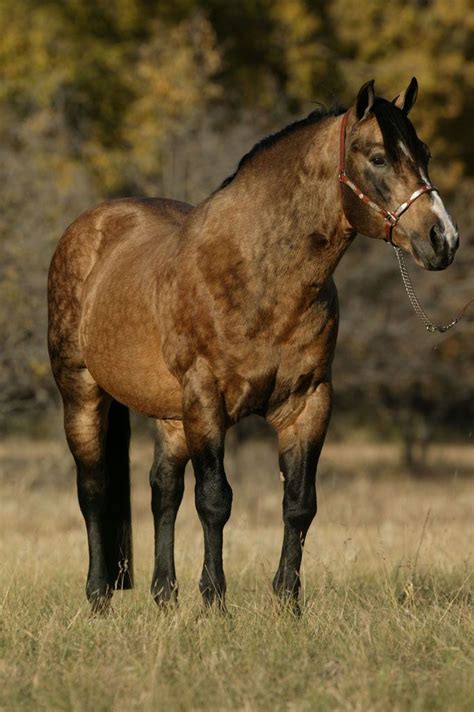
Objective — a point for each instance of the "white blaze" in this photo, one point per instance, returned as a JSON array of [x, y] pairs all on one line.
[[439, 210], [442, 214]]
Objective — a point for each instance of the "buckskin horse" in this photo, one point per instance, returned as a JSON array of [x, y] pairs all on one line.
[[200, 316]]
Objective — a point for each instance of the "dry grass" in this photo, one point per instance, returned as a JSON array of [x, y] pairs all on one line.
[[386, 624]]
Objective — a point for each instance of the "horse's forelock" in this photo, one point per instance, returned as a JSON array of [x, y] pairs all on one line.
[[397, 130]]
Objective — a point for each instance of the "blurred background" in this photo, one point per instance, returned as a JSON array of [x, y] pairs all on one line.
[[162, 98]]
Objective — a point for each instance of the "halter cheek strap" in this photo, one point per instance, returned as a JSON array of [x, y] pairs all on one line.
[[390, 218]]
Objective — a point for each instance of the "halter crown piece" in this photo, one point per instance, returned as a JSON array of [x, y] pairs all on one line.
[[391, 218]]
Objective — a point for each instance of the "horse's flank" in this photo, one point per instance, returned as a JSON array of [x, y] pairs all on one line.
[[243, 281]]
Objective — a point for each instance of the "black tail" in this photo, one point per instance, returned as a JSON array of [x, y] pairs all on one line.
[[118, 542]]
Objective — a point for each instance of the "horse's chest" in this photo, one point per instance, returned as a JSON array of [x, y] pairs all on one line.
[[267, 373], [260, 351]]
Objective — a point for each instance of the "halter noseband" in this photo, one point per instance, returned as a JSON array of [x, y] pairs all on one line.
[[390, 218]]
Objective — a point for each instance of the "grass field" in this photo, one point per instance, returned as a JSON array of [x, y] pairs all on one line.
[[386, 589]]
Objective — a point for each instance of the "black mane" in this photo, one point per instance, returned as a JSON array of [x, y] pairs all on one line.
[[394, 125], [272, 139]]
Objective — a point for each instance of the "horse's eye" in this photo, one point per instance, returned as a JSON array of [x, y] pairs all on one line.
[[378, 160]]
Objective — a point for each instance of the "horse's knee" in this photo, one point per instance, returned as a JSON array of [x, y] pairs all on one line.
[[214, 501]]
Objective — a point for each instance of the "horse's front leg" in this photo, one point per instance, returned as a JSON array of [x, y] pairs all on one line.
[[300, 445], [204, 425]]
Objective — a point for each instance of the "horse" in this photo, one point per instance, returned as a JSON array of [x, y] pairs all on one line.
[[199, 316]]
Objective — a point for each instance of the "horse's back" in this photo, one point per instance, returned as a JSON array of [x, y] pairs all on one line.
[[92, 280], [115, 222]]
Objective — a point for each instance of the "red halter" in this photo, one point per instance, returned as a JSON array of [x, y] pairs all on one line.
[[391, 218]]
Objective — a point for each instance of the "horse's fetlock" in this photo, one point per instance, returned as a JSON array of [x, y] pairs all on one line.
[[164, 590], [287, 584], [212, 588]]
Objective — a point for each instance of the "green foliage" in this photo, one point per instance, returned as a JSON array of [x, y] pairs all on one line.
[[119, 77], [142, 97], [114, 79], [432, 39]]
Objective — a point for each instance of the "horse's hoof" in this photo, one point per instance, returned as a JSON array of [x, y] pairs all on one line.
[[166, 603], [101, 606], [294, 608], [289, 604], [213, 601], [165, 596], [208, 612]]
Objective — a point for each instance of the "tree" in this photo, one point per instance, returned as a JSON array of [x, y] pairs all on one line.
[[432, 39], [99, 99]]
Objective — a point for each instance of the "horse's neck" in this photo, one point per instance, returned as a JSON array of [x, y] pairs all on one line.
[[283, 214]]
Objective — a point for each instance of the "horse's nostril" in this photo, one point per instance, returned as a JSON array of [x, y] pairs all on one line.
[[436, 236]]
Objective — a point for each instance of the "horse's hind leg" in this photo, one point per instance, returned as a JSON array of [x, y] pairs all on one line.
[[98, 431], [167, 487]]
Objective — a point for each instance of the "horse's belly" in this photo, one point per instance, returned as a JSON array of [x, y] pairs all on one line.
[[122, 350], [127, 375]]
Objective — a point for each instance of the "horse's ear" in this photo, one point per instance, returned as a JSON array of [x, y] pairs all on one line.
[[365, 99], [406, 100]]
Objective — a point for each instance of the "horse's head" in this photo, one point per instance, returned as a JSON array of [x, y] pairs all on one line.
[[384, 170]]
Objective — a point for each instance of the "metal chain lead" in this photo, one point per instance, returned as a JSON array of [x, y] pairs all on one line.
[[430, 326]]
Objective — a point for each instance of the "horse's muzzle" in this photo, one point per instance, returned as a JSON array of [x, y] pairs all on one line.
[[437, 253]]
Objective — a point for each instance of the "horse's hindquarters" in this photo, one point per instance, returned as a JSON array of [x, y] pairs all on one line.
[[121, 338], [102, 307]]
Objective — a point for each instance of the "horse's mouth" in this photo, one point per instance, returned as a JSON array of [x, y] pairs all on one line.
[[432, 262]]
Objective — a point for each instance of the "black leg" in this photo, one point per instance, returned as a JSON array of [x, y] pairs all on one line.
[[213, 496], [85, 423], [300, 447], [299, 509], [98, 432], [204, 425], [92, 493], [167, 486]]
